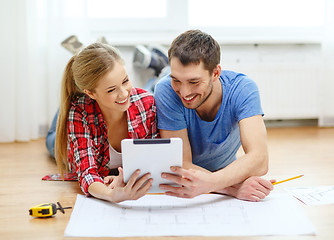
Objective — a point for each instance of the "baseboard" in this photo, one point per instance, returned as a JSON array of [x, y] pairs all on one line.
[[291, 123]]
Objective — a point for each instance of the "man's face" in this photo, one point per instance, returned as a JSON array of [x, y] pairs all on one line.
[[192, 83]]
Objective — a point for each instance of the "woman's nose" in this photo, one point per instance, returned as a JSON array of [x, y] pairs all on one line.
[[123, 92]]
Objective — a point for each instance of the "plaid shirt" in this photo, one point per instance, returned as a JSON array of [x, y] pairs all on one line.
[[88, 145]]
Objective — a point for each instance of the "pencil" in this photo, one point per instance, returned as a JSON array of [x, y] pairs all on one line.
[[287, 179]]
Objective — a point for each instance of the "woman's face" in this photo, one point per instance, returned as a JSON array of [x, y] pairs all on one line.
[[112, 92]]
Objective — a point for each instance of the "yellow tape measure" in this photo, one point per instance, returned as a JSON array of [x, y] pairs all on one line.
[[46, 209]]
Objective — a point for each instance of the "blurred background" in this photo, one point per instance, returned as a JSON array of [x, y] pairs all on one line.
[[286, 47]]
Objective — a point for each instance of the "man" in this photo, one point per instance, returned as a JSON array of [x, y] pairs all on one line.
[[214, 112]]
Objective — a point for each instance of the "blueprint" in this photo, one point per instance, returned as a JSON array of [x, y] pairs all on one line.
[[205, 215], [315, 195]]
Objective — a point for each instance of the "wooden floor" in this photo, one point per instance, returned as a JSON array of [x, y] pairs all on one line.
[[293, 151]]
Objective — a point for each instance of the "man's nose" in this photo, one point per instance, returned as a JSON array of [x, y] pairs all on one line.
[[185, 90]]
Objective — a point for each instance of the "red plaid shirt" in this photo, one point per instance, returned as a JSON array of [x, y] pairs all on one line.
[[88, 153]]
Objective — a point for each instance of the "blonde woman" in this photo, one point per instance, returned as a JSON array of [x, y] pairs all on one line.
[[99, 107]]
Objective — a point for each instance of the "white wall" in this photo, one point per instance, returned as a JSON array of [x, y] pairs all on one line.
[[295, 77], [288, 76]]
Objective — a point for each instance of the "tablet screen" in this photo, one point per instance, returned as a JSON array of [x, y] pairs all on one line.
[[151, 155]]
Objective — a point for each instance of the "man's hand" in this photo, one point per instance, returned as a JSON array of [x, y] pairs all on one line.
[[252, 189], [191, 182]]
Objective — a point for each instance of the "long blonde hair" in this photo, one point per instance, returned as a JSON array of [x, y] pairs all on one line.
[[83, 71]]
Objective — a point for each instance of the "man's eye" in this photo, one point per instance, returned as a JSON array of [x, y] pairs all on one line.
[[193, 82]]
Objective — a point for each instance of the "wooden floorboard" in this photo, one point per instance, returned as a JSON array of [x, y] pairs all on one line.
[[293, 151]]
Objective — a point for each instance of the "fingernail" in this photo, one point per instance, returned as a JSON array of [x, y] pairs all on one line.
[[172, 168], [163, 175]]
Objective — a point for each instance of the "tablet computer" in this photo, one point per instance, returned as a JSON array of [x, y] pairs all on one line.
[[151, 155]]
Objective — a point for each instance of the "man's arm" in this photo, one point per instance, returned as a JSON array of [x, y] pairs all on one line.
[[248, 167], [253, 163], [187, 157], [255, 160]]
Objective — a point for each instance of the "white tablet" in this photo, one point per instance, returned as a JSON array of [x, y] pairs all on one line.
[[151, 155]]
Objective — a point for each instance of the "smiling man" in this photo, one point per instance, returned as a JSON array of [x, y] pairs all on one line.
[[214, 112]]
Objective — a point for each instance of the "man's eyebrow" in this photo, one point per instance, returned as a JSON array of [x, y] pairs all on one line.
[[115, 85], [191, 79], [194, 79]]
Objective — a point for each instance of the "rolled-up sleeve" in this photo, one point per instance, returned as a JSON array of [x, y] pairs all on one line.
[[82, 150]]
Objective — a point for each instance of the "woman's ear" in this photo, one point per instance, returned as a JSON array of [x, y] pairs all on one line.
[[89, 93]]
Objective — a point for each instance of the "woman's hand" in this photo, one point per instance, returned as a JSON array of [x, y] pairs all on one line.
[[132, 190], [109, 179], [252, 189]]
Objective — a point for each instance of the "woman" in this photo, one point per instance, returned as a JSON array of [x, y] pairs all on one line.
[[99, 107]]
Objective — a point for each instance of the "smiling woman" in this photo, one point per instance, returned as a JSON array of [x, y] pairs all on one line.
[[99, 108], [112, 93]]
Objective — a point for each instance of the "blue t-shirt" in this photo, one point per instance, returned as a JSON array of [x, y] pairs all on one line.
[[213, 144]]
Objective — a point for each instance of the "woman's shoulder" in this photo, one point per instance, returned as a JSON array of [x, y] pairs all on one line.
[[141, 101], [140, 95], [81, 101], [84, 105]]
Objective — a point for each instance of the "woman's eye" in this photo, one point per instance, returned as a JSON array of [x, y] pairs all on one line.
[[125, 81], [111, 90]]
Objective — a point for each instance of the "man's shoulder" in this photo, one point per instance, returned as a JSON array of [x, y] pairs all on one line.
[[231, 76], [163, 89], [236, 79], [163, 83]]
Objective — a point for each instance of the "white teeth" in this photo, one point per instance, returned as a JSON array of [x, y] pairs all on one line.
[[188, 99], [122, 101]]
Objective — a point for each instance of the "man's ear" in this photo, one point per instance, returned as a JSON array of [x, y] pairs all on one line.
[[89, 93], [216, 71]]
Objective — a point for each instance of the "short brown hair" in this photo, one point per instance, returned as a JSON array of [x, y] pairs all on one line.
[[194, 46]]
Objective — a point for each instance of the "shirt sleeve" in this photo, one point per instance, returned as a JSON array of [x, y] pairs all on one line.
[[152, 121], [82, 149], [142, 115], [246, 99], [170, 109]]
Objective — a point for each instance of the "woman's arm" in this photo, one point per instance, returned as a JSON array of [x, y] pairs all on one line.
[[118, 191], [83, 153]]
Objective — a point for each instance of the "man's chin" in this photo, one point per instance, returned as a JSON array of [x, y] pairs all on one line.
[[189, 105]]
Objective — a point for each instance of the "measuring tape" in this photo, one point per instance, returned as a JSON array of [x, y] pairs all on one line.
[[46, 209]]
